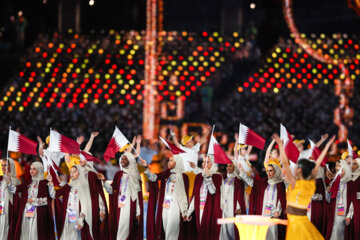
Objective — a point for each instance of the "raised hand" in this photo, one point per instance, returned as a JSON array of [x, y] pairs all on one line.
[[143, 162], [94, 134]]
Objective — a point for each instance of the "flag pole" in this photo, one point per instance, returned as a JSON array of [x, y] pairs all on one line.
[[212, 132], [7, 153]]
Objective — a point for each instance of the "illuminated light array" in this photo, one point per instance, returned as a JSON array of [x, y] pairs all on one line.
[[291, 67], [57, 76]]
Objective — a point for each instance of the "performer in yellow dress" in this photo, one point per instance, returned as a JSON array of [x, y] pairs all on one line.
[[301, 189]]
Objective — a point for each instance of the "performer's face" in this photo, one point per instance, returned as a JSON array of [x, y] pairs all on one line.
[[82, 162], [3, 166], [354, 166], [230, 168], [338, 167], [270, 172], [171, 163], [33, 171], [189, 144], [274, 154], [124, 161], [74, 173], [243, 151], [348, 160]]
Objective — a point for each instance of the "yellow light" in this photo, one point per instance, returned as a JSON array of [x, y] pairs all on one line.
[[109, 101], [21, 108], [96, 101], [122, 91]]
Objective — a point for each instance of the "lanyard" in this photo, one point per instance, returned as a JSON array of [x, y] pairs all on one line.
[[31, 190], [273, 194], [168, 184], [74, 197], [341, 193], [202, 191], [126, 184]]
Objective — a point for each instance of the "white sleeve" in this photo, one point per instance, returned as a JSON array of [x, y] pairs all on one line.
[[210, 184], [248, 180], [51, 190], [191, 207], [11, 187], [238, 206], [351, 211], [151, 176], [101, 204], [108, 187], [278, 207], [137, 207]]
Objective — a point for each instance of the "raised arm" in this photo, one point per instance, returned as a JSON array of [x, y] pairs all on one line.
[[285, 161], [236, 136], [90, 142], [323, 139], [268, 150], [248, 151], [138, 144], [173, 136], [41, 146], [322, 155]]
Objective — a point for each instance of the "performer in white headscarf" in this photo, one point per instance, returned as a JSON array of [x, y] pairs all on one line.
[[172, 200], [35, 220], [126, 204], [76, 207], [8, 183]]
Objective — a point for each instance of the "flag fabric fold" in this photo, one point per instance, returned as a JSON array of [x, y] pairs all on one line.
[[249, 137], [173, 148], [334, 188], [20, 143], [351, 152], [290, 148], [117, 142], [216, 150], [60, 143], [315, 153], [88, 157]]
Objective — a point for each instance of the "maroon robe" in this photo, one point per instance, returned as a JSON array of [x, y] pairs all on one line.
[[331, 210], [257, 198], [45, 226], [100, 230], [239, 196], [61, 211], [136, 229], [13, 214], [156, 199], [318, 207], [208, 229], [355, 222]]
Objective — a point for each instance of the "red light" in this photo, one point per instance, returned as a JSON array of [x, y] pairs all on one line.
[[33, 74], [192, 78], [75, 95], [187, 93], [28, 99], [121, 102], [191, 68], [86, 80], [192, 88], [75, 60], [70, 105], [261, 80], [44, 55], [350, 41], [23, 89], [81, 105], [207, 73], [48, 104], [298, 75], [74, 75], [53, 95], [127, 96], [205, 34], [74, 100], [251, 79], [42, 94], [58, 105], [310, 86], [141, 62], [68, 50], [28, 64], [130, 62], [304, 81], [266, 75], [264, 90], [183, 98], [257, 85], [182, 78], [268, 85], [172, 98], [25, 104], [111, 91], [271, 70], [107, 61], [67, 90], [161, 87], [272, 80], [114, 66], [93, 85], [21, 74], [78, 90], [182, 88], [198, 83], [58, 50], [187, 83], [246, 84], [121, 71]]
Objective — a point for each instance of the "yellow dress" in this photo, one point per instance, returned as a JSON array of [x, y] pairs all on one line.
[[299, 227]]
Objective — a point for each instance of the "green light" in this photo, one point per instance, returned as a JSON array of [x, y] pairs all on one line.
[[71, 65], [191, 58], [215, 34], [284, 55], [61, 45], [222, 59], [86, 60], [184, 63], [83, 66], [55, 55], [18, 99], [122, 91], [86, 75], [195, 63], [27, 84], [314, 71], [97, 75], [276, 65], [216, 54], [47, 70], [287, 65], [21, 108], [78, 70], [136, 47], [201, 58], [131, 82], [173, 63], [169, 68], [93, 46], [107, 76], [86, 95], [118, 76], [120, 82], [220, 39], [217, 64]]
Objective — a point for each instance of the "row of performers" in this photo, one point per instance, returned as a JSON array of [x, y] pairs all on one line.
[[80, 211]]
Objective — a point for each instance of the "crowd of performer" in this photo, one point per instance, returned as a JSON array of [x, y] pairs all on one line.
[[79, 209]]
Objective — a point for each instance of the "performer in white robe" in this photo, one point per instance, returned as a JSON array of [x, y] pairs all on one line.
[[8, 185], [175, 204]]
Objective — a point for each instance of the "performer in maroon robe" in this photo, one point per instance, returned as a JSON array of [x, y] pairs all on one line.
[[206, 202], [115, 190], [259, 199], [154, 225], [44, 220], [355, 192]]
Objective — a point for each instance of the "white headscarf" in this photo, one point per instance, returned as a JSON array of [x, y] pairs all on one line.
[[82, 185], [347, 176], [277, 178], [181, 196], [134, 175], [40, 175], [213, 169], [356, 173], [12, 173]]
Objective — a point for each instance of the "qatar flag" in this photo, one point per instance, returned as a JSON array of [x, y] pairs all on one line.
[[334, 187], [117, 142], [249, 137], [173, 148], [88, 157], [290, 148], [315, 153], [351, 152], [20, 143], [216, 150], [60, 143]]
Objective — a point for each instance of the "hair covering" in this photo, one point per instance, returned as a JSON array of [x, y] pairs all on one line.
[[213, 169], [181, 195], [347, 170], [82, 185], [134, 175], [12, 173], [277, 177], [40, 174], [356, 173]]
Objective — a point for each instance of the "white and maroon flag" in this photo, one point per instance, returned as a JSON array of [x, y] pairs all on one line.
[[249, 137], [60, 143], [351, 152], [290, 148], [173, 148], [88, 157], [118, 141], [315, 153], [20, 143], [216, 150]]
